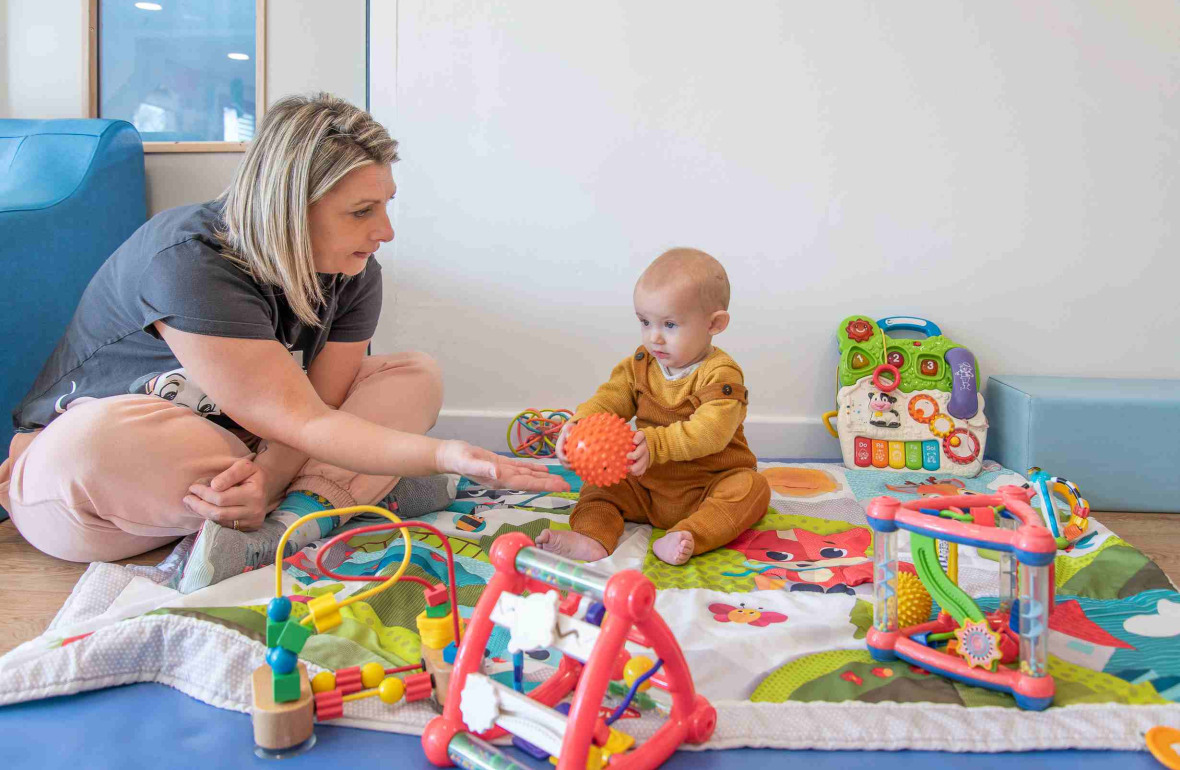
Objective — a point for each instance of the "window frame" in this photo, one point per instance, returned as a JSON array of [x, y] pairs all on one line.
[[91, 64]]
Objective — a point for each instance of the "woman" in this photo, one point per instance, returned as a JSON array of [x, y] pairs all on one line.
[[173, 403]]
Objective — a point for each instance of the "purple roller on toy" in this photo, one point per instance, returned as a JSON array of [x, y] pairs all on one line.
[[964, 401]]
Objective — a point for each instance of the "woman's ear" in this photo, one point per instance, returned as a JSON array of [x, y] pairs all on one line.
[[718, 321]]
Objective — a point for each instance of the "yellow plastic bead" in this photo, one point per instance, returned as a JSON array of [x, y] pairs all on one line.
[[325, 612], [955, 441], [372, 674], [437, 633], [635, 668], [324, 681], [391, 690]]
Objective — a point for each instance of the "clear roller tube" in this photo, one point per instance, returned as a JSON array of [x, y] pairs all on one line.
[[562, 573], [472, 753], [1034, 613], [885, 581], [1008, 571]]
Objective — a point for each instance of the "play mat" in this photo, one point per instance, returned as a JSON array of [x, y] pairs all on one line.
[[773, 627]]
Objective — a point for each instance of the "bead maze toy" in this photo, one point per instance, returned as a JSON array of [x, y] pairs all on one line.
[[286, 704], [907, 405], [536, 432], [975, 648], [619, 608], [597, 447]]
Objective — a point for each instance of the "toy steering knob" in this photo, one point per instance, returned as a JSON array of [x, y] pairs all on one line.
[[886, 369]]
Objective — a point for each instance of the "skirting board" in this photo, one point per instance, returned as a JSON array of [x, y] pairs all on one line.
[[774, 436]]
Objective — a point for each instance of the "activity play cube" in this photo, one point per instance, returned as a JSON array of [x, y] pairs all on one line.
[[1117, 439], [1026, 551]]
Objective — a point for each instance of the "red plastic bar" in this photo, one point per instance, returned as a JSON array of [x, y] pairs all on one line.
[[1003, 678]]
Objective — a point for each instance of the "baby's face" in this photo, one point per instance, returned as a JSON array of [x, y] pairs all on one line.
[[675, 328]]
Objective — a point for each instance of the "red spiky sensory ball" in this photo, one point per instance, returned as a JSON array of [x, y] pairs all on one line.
[[597, 449]]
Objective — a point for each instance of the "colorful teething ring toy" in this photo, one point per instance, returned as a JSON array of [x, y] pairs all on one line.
[[918, 416], [877, 378], [941, 432], [536, 432], [950, 448]]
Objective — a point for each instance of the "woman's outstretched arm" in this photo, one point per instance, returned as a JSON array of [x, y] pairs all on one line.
[[258, 384]]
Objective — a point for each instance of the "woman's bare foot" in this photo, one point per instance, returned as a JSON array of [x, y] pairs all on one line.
[[571, 545], [674, 547]]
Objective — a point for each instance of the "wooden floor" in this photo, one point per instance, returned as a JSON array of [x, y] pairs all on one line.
[[34, 586]]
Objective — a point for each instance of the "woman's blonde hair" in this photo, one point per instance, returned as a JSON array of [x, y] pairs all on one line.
[[303, 147]]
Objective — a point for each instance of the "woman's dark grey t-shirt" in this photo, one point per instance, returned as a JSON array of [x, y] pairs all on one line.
[[171, 270]]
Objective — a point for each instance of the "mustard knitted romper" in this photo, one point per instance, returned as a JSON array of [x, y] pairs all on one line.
[[702, 477]]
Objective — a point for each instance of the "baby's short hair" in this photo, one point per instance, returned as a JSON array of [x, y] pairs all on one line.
[[691, 267]]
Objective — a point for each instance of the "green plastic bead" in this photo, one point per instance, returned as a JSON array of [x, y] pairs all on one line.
[[294, 635], [273, 632], [285, 686]]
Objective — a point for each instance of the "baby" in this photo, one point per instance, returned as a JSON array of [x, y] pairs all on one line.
[[691, 471]]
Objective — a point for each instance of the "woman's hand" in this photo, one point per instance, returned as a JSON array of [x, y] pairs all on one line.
[[640, 457], [495, 472], [235, 498], [560, 448]]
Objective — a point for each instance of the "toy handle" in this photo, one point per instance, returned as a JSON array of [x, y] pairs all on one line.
[[826, 417], [909, 323]]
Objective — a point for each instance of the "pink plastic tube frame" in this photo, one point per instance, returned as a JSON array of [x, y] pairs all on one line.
[[629, 599]]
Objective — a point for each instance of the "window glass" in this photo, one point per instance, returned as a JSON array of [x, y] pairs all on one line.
[[179, 70]]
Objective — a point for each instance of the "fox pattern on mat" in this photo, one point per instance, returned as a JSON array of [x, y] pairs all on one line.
[[805, 560]]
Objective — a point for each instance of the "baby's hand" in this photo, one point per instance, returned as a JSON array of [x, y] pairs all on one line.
[[560, 449], [640, 458]]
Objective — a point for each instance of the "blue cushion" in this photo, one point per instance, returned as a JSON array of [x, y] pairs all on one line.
[[1119, 440], [71, 191]]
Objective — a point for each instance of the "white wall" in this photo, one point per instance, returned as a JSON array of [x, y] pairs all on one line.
[[4, 57], [311, 46], [43, 71], [1006, 169]]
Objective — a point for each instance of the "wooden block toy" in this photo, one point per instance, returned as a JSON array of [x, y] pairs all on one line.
[[279, 726], [438, 668]]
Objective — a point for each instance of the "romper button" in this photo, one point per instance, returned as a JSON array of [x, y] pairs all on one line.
[[639, 356], [727, 390]]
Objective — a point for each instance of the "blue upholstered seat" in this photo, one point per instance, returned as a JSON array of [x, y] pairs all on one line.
[[1116, 439], [71, 191]]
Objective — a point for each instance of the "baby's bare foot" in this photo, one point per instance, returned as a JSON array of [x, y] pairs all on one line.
[[674, 547], [570, 545]]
